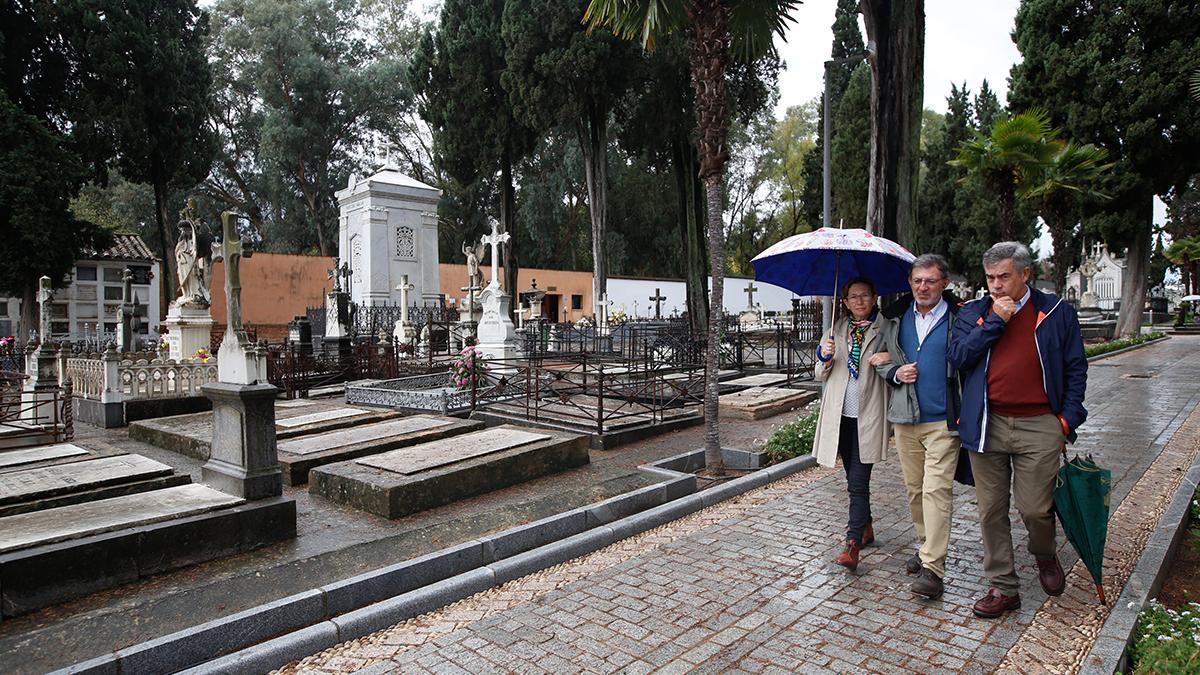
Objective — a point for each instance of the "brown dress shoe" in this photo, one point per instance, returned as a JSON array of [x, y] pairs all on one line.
[[868, 534], [928, 585], [1050, 573], [849, 557], [913, 564], [996, 603]]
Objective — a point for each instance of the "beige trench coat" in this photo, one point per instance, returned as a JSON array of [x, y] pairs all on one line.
[[873, 396]]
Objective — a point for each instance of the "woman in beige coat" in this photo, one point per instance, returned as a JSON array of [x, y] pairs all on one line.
[[853, 420]]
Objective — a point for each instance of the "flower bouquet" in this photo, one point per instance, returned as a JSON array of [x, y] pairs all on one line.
[[202, 355], [618, 317], [468, 368]]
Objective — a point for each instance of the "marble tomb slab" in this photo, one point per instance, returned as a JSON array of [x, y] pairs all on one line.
[[317, 417], [295, 403], [439, 453], [39, 454], [297, 456], [759, 402], [455, 469], [42, 482], [80, 520], [760, 380]]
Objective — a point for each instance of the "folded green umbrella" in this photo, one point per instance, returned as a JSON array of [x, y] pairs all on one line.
[[1081, 496]]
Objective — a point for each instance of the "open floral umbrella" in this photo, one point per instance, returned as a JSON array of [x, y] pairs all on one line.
[[816, 263]]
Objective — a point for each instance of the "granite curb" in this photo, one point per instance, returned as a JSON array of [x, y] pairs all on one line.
[[274, 634], [1109, 652]]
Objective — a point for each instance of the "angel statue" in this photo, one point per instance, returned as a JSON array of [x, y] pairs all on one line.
[[193, 262], [474, 276]]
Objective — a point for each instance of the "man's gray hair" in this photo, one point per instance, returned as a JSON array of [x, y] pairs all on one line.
[[1009, 250], [933, 260]]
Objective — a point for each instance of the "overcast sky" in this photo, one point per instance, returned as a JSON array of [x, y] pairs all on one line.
[[964, 42]]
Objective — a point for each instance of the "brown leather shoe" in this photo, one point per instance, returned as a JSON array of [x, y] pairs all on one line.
[[913, 564], [1050, 573], [868, 534], [996, 603], [928, 585], [849, 557]]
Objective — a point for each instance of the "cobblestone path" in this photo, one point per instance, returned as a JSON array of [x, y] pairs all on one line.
[[749, 585]]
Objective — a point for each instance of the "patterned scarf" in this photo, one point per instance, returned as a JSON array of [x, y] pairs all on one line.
[[858, 331]]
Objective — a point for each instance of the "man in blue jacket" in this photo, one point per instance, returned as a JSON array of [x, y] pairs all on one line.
[[924, 412], [1020, 352]]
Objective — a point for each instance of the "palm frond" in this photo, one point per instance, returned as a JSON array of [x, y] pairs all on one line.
[[753, 25], [640, 20], [1195, 84]]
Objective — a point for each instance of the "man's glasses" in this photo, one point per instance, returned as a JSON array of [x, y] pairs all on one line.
[[919, 281]]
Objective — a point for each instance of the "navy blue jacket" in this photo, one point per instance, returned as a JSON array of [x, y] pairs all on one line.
[[1060, 347]]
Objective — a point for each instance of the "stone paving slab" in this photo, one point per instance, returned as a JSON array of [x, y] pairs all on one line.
[[749, 585]]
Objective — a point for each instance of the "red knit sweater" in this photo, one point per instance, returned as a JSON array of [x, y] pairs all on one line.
[[1015, 387]]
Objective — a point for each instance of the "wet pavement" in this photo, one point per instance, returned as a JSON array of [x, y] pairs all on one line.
[[749, 585]]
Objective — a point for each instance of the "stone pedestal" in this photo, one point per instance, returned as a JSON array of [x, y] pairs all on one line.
[[240, 362], [39, 394], [497, 335], [188, 329], [244, 459], [338, 333]]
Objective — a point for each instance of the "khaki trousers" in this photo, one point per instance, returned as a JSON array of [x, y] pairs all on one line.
[[928, 457], [1022, 452]]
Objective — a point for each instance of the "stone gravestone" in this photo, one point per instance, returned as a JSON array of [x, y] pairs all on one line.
[[300, 334], [189, 316], [497, 335], [243, 459], [752, 314], [131, 315], [338, 331], [38, 394], [405, 333]]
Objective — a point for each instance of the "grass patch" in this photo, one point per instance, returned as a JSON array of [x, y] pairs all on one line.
[[1167, 640], [792, 439], [1114, 345]]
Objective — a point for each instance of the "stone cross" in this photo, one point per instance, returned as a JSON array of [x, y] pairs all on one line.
[[635, 309], [404, 288], [657, 299], [127, 312], [605, 303], [750, 288], [44, 295], [233, 249], [494, 240], [335, 275]]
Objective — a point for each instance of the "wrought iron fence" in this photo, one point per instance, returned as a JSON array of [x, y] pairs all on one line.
[[371, 320]]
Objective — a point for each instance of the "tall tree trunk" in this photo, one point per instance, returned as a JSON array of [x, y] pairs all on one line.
[[1137, 267], [708, 56], [1007, 202], [691, 224], [508, 223], [593, 139], [167, 286], [310, 203], [897, 30], [1060, 239]]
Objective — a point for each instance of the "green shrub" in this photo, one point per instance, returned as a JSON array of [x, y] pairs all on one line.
[[793, 439], [1114, 345], [1166, 640]]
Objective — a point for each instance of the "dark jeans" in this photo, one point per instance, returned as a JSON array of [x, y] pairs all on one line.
[[858, 479]]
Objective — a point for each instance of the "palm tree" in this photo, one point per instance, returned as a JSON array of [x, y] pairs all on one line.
[[1185, 254], [1070, 178], [1011, 157], [717, 31]]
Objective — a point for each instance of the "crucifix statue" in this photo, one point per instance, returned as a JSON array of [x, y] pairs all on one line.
[[750, 288], [657, 299], [404, 288], [335, 275], [494, 240], [44, 295], [234, 247]]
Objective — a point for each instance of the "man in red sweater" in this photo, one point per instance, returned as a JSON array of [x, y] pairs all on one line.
[[1020, 352]]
